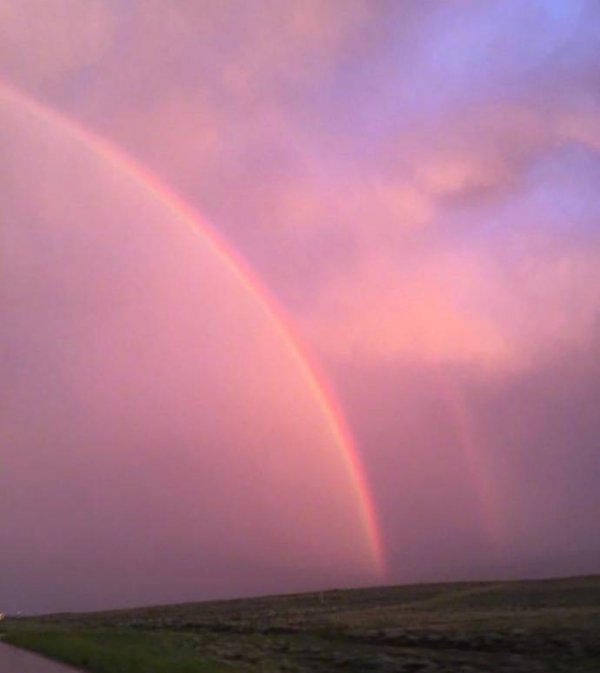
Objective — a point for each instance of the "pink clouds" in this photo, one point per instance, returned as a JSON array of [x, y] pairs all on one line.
[[44, 42], [417, 184], [457, 308], [441, 302], [387, 313]]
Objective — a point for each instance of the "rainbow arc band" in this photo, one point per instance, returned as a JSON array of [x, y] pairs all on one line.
[[306, 365]]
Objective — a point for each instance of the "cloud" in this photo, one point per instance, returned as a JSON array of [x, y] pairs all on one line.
[[43, 43], [496, 311], [416, 183], [476, 246], [386, 313]]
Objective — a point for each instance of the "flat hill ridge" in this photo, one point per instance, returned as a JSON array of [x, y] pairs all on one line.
[[526, 625]]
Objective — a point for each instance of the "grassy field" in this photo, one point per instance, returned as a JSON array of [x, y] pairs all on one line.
[[551, 625]]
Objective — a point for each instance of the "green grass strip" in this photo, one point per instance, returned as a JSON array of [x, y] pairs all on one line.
[[116, 652]]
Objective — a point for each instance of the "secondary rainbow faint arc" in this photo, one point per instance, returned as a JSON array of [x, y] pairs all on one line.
[[468, 436], [266, 303]]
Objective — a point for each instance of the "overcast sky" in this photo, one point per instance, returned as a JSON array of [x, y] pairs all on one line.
[[410, 193]]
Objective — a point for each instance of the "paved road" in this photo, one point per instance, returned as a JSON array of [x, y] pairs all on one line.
[[13, 660]]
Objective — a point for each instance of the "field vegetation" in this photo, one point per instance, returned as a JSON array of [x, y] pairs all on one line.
[[538, 626]]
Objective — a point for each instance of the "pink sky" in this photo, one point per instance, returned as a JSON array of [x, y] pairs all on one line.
[[414, 183]]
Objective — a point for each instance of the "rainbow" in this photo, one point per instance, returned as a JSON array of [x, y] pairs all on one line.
[[470, 443], [308, 368]]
